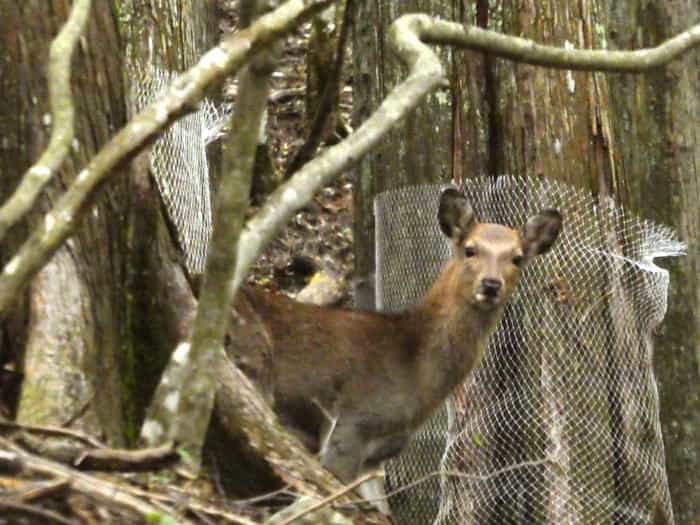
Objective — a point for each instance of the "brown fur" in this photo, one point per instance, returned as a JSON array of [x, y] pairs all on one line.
[[358, 384]]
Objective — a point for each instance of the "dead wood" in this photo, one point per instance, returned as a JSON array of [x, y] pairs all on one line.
[[107, 459]]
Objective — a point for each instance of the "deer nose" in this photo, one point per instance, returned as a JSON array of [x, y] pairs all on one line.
[[490, 287]]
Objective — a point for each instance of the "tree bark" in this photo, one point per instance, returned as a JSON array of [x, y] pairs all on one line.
[[418, 151], [630, 137], [656, 118], [73, 310]]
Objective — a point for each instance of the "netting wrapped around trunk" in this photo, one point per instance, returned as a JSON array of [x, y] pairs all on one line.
[[560, 422], [179, 165]]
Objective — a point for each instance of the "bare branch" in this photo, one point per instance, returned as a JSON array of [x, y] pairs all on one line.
[[187, 420], [62, 119], [92, 486], [518, 49], [329, 97], [182, 96], [407, 36], [426, 73]]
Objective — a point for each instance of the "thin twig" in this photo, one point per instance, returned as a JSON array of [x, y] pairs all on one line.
[[328, 98], [267, 495], [325, 501], [453, 474], [62, 119], [8, 508], [53, 431]]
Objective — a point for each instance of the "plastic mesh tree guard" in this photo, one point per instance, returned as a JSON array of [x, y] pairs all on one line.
[[179, 165], [559, 424]]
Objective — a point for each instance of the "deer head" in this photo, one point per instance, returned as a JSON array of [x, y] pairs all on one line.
[[488, 258]]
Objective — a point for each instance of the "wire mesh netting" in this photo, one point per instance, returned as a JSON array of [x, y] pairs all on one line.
[[179, 165], [559, 423]]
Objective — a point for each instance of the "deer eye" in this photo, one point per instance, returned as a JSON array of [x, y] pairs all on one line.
[[469, 251], [518, 260]]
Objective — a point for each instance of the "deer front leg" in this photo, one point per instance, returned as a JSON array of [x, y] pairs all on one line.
[[379, 450], [343, 451], [348, 454]]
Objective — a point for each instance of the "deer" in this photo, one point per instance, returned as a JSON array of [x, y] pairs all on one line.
[[354, 386]]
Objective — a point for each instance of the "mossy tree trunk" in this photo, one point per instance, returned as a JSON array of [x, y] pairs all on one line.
[[98, 323], [161, 304], [67, 329]]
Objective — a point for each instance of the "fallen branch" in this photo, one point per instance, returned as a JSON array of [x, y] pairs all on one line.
[[43, 490], [99, 489], [52, 431], [108, 459], [240, 408], [12, 508]]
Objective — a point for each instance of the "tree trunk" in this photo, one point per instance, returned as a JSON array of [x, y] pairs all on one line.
[[73, 312], [100, 320], [419, 151], [165, 259], [656, 118], [630, 137]]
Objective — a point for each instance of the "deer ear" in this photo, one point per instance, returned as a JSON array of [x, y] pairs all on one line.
[[540, 232], [455, 215]]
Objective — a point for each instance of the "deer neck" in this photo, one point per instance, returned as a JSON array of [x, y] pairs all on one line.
[[455, 334]]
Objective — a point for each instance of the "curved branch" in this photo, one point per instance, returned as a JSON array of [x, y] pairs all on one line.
[[426, 74], [182, 96], [62, 117], [408, 36], [527, 51]]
